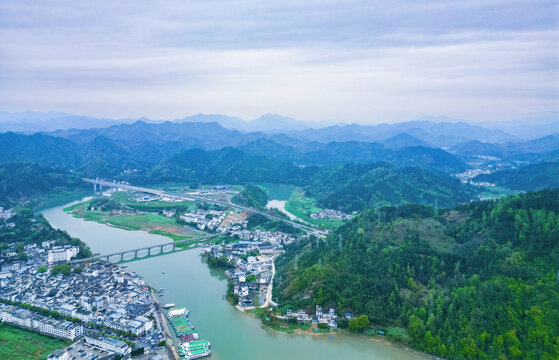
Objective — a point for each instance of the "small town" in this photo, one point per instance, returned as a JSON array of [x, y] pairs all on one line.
[[104, 309]]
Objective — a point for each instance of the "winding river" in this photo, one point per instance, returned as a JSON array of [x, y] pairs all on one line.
[[189, 282]]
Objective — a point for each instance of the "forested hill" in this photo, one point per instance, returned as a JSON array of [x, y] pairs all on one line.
[[357, 187], [21, 182], [479, 281], [226, 166], [528, 178]]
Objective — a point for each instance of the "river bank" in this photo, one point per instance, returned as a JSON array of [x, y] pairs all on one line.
[[189, 281], [137, 220]]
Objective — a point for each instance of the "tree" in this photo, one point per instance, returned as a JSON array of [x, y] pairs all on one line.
[[137, 352], [64, 269], [41, 269], [358, 323]]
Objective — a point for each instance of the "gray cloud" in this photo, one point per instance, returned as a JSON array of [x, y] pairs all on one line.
[[352, 60]]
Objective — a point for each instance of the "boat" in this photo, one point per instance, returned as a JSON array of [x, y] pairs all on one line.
[[195, 349], [161, 289], [170, 305]]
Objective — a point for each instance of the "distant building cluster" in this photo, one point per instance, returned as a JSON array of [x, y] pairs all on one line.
[[330, 214], [5, 214]]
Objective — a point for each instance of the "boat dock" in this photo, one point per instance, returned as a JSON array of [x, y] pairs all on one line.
[[190, 348]]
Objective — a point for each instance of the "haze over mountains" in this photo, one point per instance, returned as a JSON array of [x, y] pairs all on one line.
[[144, 150], [438, 129]]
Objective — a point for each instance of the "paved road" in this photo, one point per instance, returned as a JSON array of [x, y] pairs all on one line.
[[191, 197]]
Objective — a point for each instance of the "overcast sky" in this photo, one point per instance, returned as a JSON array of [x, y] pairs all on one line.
[[327, 60]]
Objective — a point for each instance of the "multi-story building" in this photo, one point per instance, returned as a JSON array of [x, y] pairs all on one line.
[[62, 253], [45, 325], [109, 344]]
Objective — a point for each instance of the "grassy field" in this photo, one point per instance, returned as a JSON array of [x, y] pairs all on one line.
[[152, 223], [302, 207], [19, 344]]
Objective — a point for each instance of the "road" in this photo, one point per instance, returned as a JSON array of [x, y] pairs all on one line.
[[191, 197], [269, 301]]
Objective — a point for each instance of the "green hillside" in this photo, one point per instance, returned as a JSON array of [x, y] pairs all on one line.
[[479, 281], [358, 187]]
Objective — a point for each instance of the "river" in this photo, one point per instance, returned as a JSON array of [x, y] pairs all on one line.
[[189, 282], [280, 205]]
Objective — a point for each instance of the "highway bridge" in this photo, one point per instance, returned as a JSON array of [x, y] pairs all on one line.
[[144, 251], [196, 198]]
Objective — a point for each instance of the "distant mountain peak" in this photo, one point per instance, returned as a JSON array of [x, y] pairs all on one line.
[[403, 140]]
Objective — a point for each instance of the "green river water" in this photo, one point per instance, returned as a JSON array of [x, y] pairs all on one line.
[[189, 282]]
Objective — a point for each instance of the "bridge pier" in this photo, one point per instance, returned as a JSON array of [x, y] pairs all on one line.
[[121, 256], [135, 254], [161, 249]]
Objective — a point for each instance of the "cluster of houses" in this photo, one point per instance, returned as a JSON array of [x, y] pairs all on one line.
[[330, 214], [319, 317], [97, 295], [218, 189], [5, 214], [204, 219], [257, 235], [253, 266], [235, 224]]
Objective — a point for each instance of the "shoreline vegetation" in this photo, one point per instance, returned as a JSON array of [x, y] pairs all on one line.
[[306, 329]]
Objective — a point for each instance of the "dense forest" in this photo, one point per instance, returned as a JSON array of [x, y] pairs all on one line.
[[357, 187], [226, 166], [478, 281], [252, 196], [21, 182]]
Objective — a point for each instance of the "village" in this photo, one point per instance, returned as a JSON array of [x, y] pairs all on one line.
[[330, 214]]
